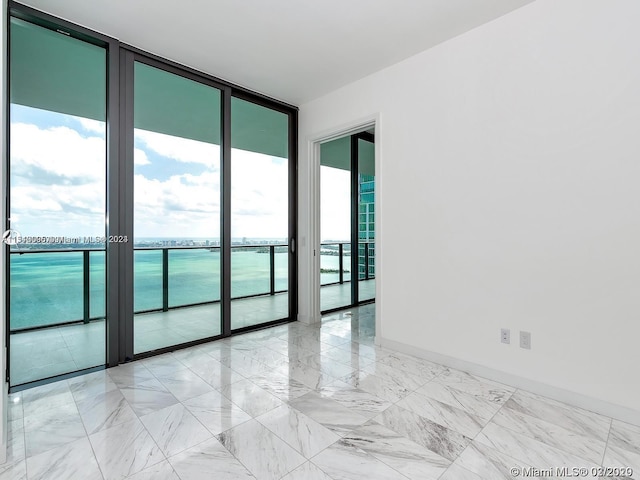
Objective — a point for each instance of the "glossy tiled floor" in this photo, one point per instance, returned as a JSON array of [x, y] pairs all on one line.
[[54, 351], [300, 403]]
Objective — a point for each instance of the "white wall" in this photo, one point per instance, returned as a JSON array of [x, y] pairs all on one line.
[[510, 158], [3, 384]]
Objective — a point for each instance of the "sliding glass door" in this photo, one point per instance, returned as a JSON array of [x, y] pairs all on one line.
[[347, 213], [366, 188], [56, 203], [260, 214], [176, 192], [149, 206]]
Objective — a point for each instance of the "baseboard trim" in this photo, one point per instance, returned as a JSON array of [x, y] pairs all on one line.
[[602, 407]]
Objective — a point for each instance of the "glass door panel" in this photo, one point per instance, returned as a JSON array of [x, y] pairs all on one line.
[[259, 214], [176, 209], [366, 220], [335, 224], [57, 203]]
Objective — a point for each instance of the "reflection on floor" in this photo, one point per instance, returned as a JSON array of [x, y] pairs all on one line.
[[45, 353], [298, 402], [339, 295]]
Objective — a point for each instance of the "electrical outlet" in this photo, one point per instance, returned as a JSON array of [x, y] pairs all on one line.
[[505, 335], [525, 340]]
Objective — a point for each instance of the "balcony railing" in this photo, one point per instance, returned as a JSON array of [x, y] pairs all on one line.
[[54, 287], [334, 272]]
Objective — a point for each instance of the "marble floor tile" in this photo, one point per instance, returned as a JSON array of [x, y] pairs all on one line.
[[250, 397], [148, 396], [586, 447], [130, 374], [162, 365], [575, 419], [456, 472], [441, 440], [281, 386], [310, 377], [216, 412], [13, 471], [46, 397], [264, 454], [307, 471], [296, 401], [74, 460], [488, 463], [365, 351], [15, 441], [104, 411], [216, 374], [618, 457], [302, 433], [451, 417], [326, 365], [268, 357], [15, 408], [471, 384], [244, 364], [353, 360], [207, 461], [328, 413], [159, 471], [184, 384], [91, 384], [344, 462], [391, 389], [526, 449], [354, 399], [52, 428], [409, 458], [124, 450], [175, 429], [414, 366], [476, 405], [625, 436]]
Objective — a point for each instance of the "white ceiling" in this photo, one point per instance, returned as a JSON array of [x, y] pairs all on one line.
[[293, 50]]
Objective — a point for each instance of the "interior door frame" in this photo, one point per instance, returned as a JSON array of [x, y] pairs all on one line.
[[309, 222]]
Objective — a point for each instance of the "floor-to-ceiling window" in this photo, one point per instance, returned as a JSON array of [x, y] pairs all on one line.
[[347, 212], [150, 206], [260, 177], [176, 192], [57, 203]]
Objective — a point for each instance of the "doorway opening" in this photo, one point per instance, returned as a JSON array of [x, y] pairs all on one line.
[[347, 221]]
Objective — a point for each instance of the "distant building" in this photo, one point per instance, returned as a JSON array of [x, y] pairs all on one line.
[[366, 224]]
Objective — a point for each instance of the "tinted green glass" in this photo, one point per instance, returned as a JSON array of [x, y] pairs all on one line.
[[259, 213], [57, 178], [176, 209]]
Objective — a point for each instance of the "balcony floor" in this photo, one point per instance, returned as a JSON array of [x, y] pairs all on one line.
[[54, 351]]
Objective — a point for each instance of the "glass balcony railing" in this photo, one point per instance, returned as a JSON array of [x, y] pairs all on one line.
[[335, 262], [57, 287]]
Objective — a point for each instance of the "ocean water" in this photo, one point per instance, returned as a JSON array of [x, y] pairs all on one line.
[[47, 288]]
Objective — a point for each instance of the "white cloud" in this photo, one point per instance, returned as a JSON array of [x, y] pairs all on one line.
[[57, 181], [58, 187], [180, 149], [140, 157], [335, 200], [94, 126], [259, 196]]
